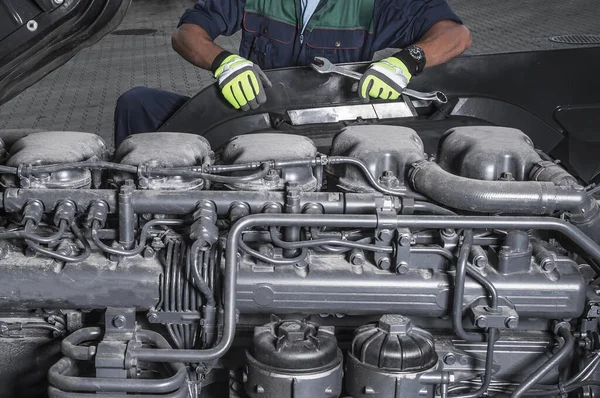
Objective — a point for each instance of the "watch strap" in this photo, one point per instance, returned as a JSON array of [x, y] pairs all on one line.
[[414, 66]]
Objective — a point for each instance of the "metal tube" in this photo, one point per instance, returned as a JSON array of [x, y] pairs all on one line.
[[126, 216], [61, 375], [71, 348], [489, 363], [459, 290], [57, 376], [342, 221], [229, 283], [56, 393], [567, 348]]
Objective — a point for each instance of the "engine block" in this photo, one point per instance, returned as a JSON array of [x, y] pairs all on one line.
[[268, 269]]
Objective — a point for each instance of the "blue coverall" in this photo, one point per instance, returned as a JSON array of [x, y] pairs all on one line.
[[270, 43]]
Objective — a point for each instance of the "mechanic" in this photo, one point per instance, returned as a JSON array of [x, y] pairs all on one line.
[[280, 33]]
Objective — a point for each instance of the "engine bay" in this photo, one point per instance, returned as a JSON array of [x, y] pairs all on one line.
[[269, 267]]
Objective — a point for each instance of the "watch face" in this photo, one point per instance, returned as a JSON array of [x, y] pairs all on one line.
[[416, 53]]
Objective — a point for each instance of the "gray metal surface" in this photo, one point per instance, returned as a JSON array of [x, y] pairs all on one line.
[[80, 96]]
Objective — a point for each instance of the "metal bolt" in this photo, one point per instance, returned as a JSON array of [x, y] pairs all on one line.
[[152, 317], [450, 359], [119, 322], [463, 360], [148, 252], [402, 268], [548, 265], [357, 257], [449, 232], [511, 322], [404, 240], [481, 322], [384, 263], [480, 262], [32, 25], [385, 234], [272, 175]]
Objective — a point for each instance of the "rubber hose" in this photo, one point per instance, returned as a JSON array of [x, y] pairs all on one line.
[[514, 197], [567, 348]]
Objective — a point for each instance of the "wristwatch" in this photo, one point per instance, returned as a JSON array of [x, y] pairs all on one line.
[[414, 59]]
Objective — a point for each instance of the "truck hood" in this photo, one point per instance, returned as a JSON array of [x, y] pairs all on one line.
[[38, 36]]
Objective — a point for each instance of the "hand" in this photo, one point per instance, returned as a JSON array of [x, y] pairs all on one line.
[[385, 79], [242, 82]]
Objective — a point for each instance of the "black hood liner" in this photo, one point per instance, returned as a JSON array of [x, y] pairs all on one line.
[[38, 36]]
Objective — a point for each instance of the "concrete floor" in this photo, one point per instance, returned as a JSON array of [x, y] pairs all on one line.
[[80, 96]]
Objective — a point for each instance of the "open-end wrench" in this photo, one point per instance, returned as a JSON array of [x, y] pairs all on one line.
[[323, 65]]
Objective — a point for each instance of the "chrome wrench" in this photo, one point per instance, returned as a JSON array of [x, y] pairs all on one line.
[[323, 65]]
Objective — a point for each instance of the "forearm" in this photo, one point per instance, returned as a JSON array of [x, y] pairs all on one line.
[[195, 45], [444, 41]]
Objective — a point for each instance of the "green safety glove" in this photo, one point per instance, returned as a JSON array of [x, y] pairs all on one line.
[[241, 81], [385, 79]]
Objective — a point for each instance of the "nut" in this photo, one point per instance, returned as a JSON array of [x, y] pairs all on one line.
[[511, 322]]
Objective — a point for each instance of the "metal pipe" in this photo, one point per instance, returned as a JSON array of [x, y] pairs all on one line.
[[459, 290], [143, 237], [489, 363], [71, 348], [432, 208], [56, 393], [371, 179], [229, 283], [61, 375], [57, 377], [184, 202], [126, 215], [87, 251], [342, 221], [564, 331]]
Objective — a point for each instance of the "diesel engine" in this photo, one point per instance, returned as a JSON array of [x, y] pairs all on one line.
[[273, 268]]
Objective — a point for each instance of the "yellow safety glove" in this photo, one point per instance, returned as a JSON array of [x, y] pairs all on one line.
[[385, 79], [242, 82]]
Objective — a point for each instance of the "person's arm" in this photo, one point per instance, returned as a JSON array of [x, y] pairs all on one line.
[[195, 45], [443, 41]]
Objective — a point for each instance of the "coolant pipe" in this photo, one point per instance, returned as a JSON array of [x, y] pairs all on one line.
[[563, 330], [343, 221], [512, 197]]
